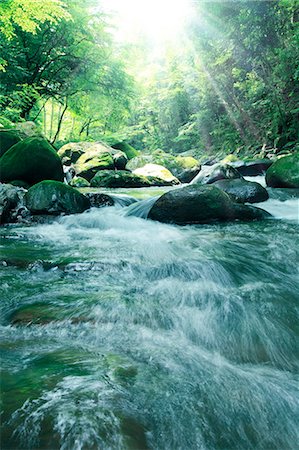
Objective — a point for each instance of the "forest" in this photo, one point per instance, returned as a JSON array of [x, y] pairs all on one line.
[[225, 82], [149, 213]]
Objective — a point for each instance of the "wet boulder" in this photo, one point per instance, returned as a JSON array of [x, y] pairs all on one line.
[[185, 168], [157, 171], [210, 174], [284, 173], [252, 168], [200, 204], [92, 161], [242, 191], [53, 197], [99, 200], [79, 182], [71, 152], [119, 179], [11, 203], [31, 160], [8, 138], [120, 160]]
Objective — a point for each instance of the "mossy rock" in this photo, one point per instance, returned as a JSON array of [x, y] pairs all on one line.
[[92, 161], [31, 160], [182, 167], [284, 173], [79, 182], [130, 151], [54, 197], [157, 171], [8, 138], [119, 179], [243, 191], [201, 204], [229, 158]]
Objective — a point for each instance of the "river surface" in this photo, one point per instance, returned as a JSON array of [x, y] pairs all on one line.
[[123, 333]]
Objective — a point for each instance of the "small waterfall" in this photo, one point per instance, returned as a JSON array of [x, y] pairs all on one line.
[[142, 208], [123, 200]]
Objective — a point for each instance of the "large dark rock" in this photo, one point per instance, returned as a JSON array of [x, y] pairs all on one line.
[[31, 160], [284, 173], [11, 203], [200, 204], [53, 197], [243, 191], [252, 168], [8, 138], [210, 174]]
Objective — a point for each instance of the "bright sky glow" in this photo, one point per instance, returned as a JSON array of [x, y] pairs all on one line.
[[157, 20]]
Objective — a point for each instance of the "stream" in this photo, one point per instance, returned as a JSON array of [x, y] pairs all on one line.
[[123, 333]]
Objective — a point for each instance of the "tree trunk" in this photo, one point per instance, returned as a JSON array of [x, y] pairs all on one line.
[[60, 121]]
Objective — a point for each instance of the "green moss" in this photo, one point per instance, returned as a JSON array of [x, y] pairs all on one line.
[[118, 179], [229, 158], [79, 182], [92, 161], [130, 151], [31, 160], [53, 197], [284, 172], [186, 162], [8, 138]]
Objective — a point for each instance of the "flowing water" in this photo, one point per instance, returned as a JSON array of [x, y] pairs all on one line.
[[122, 333]]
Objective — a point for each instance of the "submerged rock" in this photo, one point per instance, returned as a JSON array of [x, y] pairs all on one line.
[[200, 204], [53, 197], [8, 138], [252, 168], [243, 191], [31, 160], [157, 171], [210, 174], [284, 173]]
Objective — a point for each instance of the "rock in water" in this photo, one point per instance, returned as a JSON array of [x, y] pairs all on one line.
[[8, 138], [284, 173], [242, 191], [79, 182], [11, 202], [53, 197], [200, 204], [31, 160], [210, 174], [119, 179], [252, 168], [157, 171]]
